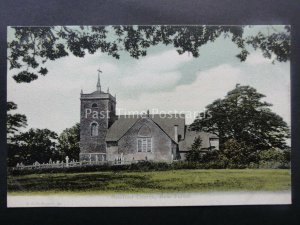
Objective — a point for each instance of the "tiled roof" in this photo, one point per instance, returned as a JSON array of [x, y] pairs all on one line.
[[165, 122], [186, 144]]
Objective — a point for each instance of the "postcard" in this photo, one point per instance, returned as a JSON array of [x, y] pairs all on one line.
[[156, 115]]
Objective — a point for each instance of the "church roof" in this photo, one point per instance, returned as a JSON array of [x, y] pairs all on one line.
[[165, 122], [186, 144]]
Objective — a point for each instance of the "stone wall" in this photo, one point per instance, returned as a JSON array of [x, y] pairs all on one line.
[[127, 145], [88, 115]]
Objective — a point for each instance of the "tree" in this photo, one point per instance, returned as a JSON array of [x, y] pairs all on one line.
[[13, 124], [245, 118], [35, 145], [14, 121], [68, 142], [238, 154], [275, 155], [195, 154], [34, 46]]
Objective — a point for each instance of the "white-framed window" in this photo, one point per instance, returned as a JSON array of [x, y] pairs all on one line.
[[94, 129], [144, 144]]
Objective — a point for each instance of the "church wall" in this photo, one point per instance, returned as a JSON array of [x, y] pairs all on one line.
[[111, 151], [161, 144]]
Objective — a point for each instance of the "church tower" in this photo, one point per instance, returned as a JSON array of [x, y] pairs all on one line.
[[97, 114]]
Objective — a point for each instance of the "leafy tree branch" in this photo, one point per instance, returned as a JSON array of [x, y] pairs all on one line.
[[32, 47]]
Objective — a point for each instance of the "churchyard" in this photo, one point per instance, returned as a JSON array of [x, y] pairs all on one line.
[[170, 181]]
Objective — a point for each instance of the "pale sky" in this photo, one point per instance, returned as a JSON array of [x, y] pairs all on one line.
[[163, 81]]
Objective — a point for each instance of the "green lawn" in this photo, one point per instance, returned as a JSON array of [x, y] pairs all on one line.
[[151, 182]]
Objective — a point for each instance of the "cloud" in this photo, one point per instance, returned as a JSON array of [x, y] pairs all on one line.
[[165, 61], [55, 97], [256, 58], [208, 86], [151, 81], [155, 72]]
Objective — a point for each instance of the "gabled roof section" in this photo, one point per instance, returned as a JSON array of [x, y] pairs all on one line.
[[120, 127], [186, 144], [165, 122], [168, 122]]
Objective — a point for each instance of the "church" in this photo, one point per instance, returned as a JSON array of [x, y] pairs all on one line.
[[107, 137]]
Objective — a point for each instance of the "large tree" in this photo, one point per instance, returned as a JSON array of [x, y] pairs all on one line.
[[68, 142], [34, 145], [14, 122], [31, 47], [244, 117]]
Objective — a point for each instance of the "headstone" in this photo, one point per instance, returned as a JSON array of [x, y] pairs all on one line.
[[67, 161]]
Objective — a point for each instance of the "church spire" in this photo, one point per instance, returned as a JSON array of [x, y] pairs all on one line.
[[98, 83]]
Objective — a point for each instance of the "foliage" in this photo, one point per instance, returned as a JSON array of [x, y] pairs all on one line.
[[14, 121], [150, 182], [238, 154], [13, 124], [195, 153], [32, 47], [243, 116], [274, 158], [68, 142], [34, 145]]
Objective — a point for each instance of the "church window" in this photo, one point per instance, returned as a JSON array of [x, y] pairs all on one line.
[[144, 140], [94, 105], [144, 131], [144, 145], [94, 129]]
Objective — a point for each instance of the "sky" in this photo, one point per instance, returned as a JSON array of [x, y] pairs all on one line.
[[163, 81]]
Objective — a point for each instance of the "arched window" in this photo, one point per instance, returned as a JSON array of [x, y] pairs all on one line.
[[94, 129], [144, 131], [144, 140], [94, 105]]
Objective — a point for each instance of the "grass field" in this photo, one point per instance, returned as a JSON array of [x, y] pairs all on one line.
[[151, 182]]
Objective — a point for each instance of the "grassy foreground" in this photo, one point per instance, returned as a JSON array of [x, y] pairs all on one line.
[[151, 182]]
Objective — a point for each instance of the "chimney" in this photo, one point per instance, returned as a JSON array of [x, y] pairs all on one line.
[[176, 133]]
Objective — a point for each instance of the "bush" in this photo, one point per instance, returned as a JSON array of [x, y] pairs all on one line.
[[220, 163], [273, 165], [139, 166]]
